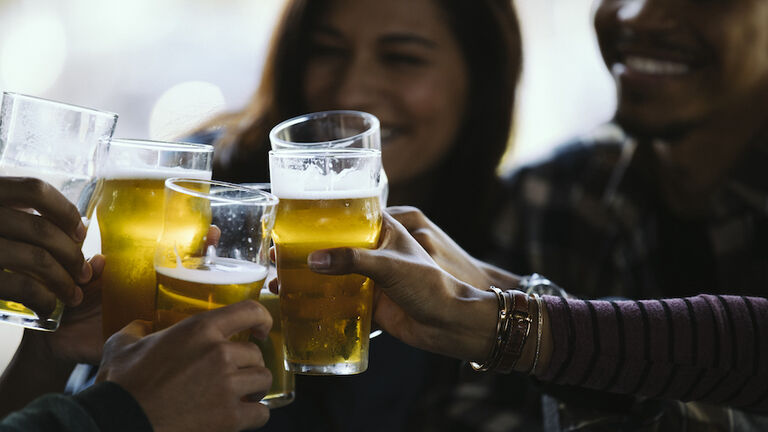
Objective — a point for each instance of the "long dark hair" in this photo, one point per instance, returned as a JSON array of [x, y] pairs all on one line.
[[463, 205]]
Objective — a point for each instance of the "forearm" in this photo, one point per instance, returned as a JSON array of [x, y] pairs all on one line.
[[33, 372], [700, 348]]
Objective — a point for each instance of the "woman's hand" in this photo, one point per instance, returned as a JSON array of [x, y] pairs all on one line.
[[417, 301], [190, 376], [40, 257], [449, 255]]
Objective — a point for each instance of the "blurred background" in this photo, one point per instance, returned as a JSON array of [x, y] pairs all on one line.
[[167, 65]]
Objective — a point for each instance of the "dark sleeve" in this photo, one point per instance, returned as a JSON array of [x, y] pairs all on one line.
[[705, 348], [103, 407]]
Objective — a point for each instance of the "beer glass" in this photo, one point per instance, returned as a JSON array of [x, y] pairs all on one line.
[[283, 387], [213, 251], [130, 215], [331, 129], [57, 143], [328, 198]]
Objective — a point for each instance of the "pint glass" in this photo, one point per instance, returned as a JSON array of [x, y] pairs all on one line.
[[130, 216], [283, 387], [331, 129], [273, 349], [328, 198], [213, 251], [57, 143]]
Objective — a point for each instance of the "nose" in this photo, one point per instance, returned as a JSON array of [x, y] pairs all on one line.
[[647, 15], [359, 85]]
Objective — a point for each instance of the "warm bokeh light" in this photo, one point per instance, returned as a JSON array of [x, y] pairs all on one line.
[[33, 53], [183, 107]]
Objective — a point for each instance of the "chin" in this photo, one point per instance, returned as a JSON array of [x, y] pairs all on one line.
[[655, 121]]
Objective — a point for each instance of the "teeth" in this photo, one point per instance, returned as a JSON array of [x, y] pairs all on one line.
[[656, 67]]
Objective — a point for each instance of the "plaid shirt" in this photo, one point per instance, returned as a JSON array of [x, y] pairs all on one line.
[[590, 218]]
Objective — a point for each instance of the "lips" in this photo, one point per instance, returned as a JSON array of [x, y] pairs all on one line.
[[657, 58]]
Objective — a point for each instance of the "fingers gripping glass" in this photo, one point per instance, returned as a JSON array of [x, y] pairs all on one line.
[[213, 251], [59, 144], [328, 198]]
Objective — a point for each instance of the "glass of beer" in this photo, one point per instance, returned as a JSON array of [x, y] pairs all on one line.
[[283, 388], [273, 349], [130, 216], [57, 143], [328, 198], [331, 129], [213, 251]]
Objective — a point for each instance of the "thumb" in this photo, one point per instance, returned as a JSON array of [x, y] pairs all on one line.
[[97, 266], [129, 334], [346, 260]]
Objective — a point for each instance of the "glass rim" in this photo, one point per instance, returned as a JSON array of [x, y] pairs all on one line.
[[162, 145], [266, 198], [338, 153], [375, 126], [71, 107]]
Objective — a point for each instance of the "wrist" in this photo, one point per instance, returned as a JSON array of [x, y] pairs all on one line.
[[473, 323]]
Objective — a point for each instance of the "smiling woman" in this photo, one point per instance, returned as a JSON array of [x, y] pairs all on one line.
[[441, 76]]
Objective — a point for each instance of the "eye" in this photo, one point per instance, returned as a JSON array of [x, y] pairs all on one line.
[[327, 50], [401, 59]]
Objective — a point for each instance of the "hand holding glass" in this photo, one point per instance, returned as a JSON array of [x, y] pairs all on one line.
[[59, 144], [213, 251]]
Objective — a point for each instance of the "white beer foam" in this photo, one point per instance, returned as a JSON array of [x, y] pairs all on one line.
[[155, 173], [309, 184], [224, 271]]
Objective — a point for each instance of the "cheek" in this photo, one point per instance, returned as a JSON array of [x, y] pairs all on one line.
[[435, 108], [319, 83], [745, 58]]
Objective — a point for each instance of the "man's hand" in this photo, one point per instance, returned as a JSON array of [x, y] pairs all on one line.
[[40, 257], [190, 376]]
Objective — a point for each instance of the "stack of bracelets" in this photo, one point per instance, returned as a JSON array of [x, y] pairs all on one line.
[[513, 324]]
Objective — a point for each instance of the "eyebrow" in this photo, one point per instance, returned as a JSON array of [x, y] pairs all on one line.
[[387, 39], [407, 38]]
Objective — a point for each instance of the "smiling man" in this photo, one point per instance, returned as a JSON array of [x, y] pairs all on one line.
[[669, 199]]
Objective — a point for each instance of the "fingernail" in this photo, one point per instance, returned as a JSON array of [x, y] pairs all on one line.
[[85, 272], [80, 232], [319, 260]]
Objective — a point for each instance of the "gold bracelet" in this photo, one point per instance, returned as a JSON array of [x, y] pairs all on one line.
[[501, 324], [540, 322], [516, 332]]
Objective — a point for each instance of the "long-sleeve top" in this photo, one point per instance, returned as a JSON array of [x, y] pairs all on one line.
[[102, 407], [706, 348]]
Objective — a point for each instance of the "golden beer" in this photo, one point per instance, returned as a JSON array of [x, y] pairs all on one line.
[[273, 350], [198, 286], [326, 319], [130, 218]]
